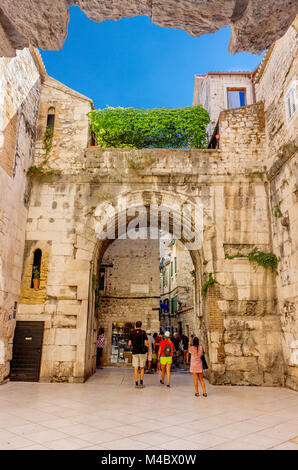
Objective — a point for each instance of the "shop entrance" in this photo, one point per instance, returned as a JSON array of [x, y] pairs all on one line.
[[120, 352]]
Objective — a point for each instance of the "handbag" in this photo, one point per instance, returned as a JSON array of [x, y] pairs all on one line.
[[204, 362]]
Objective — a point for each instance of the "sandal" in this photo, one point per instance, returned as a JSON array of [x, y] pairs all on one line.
[[197, 394], [204, 394], [162, 382]]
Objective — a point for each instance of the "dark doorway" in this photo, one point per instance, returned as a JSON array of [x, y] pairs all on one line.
[[26, 356]]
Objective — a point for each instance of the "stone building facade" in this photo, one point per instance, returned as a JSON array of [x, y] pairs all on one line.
[[276, 86], [218, 91], [74, 201], [20, 85], [177, 290], [247, 320]]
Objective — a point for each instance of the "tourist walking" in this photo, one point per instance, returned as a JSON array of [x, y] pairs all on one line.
[[150, 351], [158, 339], [185, 343], [165, 357], [100, 345], [155, 351], [196, 365], [139, 343], [176, 342]]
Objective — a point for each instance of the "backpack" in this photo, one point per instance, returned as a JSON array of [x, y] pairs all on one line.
[[167, 350]]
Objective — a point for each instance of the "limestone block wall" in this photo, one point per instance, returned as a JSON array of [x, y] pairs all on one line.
[[185, 277], [71, 127], [277, 74], [20, 82], [284, 206], [239, 324]]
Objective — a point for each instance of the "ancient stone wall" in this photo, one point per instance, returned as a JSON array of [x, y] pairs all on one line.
[[239, 323], [20, 81], [277, 74], [71, 126]]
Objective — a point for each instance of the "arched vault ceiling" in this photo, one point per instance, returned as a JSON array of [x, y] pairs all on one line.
[[255, 24]]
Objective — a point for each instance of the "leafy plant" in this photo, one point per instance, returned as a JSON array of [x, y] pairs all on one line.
[[150, 128], [134, 164], [39, 172], [277, 211], [258, 257], [267, 260], [94, 281], [35, 272], [48, 139], [255, 174], [237, 255], [210, 282]]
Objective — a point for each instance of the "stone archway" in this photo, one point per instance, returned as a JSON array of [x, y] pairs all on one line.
[[134, 201], [44, 23]]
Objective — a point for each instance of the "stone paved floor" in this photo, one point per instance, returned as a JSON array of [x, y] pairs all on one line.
[[107, 412]]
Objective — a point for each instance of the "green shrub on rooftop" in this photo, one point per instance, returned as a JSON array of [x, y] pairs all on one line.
[[150, 128]]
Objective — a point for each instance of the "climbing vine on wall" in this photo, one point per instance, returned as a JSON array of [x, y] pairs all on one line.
[[48, 139], [150, 128], [210, 282], [259, 258], [39, 172], [277, 211]]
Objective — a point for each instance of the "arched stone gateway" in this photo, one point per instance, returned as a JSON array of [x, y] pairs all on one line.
[[238, 320], [255, 24], [151, 211]]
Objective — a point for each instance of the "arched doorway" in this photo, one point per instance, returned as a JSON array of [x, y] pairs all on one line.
[[119, 222]]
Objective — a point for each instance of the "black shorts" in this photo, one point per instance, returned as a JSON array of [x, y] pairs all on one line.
[[99, 352]]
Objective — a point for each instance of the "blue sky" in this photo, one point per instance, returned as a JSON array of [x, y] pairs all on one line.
[[133, 62]]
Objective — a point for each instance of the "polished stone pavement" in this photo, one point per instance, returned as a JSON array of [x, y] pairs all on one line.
[[107, 412]]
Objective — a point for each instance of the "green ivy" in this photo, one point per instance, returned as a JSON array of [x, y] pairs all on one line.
[[277, 211], [39, 172], [35, 272], [48, 139], [255, 174], [237, 255], [258, 257], [94, 281], [210, 282], [150, 128], [267, 260]]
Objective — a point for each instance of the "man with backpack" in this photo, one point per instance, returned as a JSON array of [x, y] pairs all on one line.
[[139, 343], [165, 356]]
